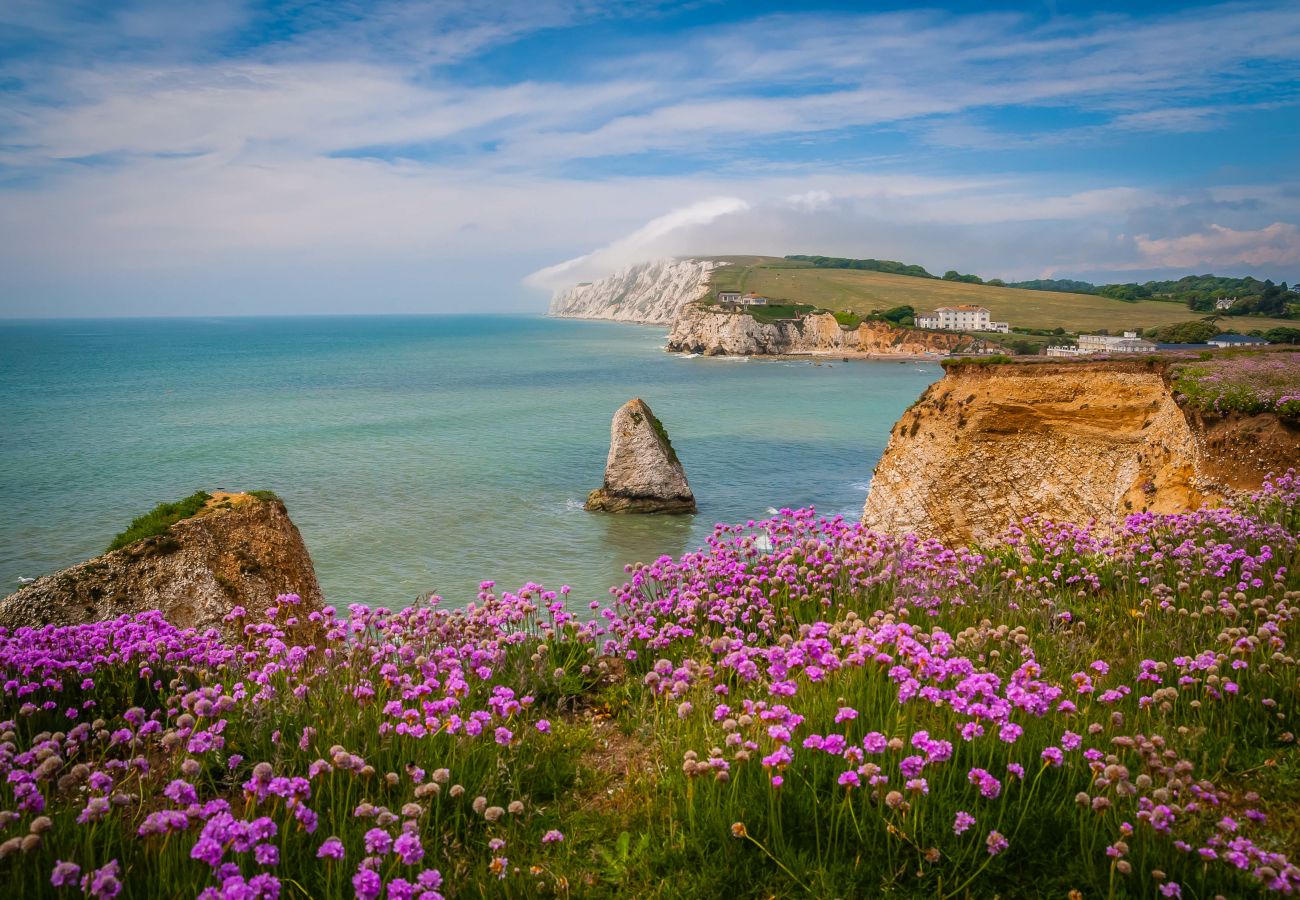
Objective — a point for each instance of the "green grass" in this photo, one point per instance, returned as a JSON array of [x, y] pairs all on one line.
[[862, 292], [159, 519]]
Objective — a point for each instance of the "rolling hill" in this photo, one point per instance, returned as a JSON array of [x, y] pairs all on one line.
[[861, 292]]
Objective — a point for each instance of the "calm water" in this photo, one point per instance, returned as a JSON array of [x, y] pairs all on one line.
[[415, 454]]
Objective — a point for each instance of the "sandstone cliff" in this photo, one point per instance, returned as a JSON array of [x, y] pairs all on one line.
[[988, 445], [238, 550], [648, 293], [713, 331], [642, 472]]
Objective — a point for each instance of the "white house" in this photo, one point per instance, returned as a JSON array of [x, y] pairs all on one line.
[[962, 318], [1224, 302], [728, 296], [1110, 343], [752, 299]]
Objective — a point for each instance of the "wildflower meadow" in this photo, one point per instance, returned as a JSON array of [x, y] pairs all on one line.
[[801, 708]]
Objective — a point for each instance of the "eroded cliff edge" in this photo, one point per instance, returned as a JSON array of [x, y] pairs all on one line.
[[711, 330], [239, 550], [988, 445], [648, 293]]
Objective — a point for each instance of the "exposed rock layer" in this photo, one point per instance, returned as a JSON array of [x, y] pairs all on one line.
[[714, 331], [642, 473], [987, 446], [649, 293], [238, 551]]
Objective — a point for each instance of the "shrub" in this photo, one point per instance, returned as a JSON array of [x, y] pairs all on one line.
[[159, 519]]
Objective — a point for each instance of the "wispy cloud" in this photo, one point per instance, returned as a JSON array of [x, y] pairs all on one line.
[[184, 139]]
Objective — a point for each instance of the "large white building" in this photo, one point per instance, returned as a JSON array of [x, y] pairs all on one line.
[[1110, 343], [962, 318]]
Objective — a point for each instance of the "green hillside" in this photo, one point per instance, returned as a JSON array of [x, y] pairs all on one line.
[[861, 292]]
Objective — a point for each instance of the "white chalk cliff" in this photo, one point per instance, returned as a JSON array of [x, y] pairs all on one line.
[[650, 293]]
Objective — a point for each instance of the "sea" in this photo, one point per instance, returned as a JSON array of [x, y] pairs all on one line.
[[417, 455]]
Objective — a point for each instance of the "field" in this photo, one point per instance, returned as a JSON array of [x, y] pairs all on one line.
[[861, 292], [803, 709]]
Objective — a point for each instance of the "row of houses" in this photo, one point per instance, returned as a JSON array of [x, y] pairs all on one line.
[[1129, 342]]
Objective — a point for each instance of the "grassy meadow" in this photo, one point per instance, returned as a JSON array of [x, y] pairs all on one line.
[[861, 292]]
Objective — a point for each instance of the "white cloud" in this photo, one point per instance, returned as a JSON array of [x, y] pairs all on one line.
[[351, 140], [1277, 244]]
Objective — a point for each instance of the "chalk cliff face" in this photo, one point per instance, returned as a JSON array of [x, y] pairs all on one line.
[[648, 293], [642, 472], [239, 550], [714, 331], [988, 445]]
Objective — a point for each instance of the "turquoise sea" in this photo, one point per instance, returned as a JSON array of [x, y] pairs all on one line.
[[416, 454]]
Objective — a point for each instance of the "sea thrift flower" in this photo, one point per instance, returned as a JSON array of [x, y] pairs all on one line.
[[996, 843], [367, 884], [378, 842], [408, 848], [962, 821], [331, 848], [103, 883], [552, 837], [65, 874]]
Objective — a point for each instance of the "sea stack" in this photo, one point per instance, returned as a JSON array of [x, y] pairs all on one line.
[[643, 473]]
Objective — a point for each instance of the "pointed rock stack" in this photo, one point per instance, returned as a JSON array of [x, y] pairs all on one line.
[[643, 473]]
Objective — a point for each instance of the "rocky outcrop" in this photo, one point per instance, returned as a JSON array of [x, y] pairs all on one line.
[[239, 550], [712, 330], [988, 445], [649, 293], [642, 473]]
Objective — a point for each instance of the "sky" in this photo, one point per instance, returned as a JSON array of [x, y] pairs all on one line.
[[232, 157]]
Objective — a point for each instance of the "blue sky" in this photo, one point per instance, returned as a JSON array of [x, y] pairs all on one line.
[[166, 157]]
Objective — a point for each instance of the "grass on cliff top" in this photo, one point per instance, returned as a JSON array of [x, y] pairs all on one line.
[[163, 516], [1244, 382], [861, 292]]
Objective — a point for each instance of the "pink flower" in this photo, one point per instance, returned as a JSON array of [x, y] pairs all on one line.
[[962, 821], [996, 843]]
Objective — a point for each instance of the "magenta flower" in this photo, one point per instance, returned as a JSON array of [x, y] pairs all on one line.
[[996, 843], [331, 848], [367, 884], [378, 842], [65, 874], [962, 821], [552, 837], [103, 883], [408, 848]]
